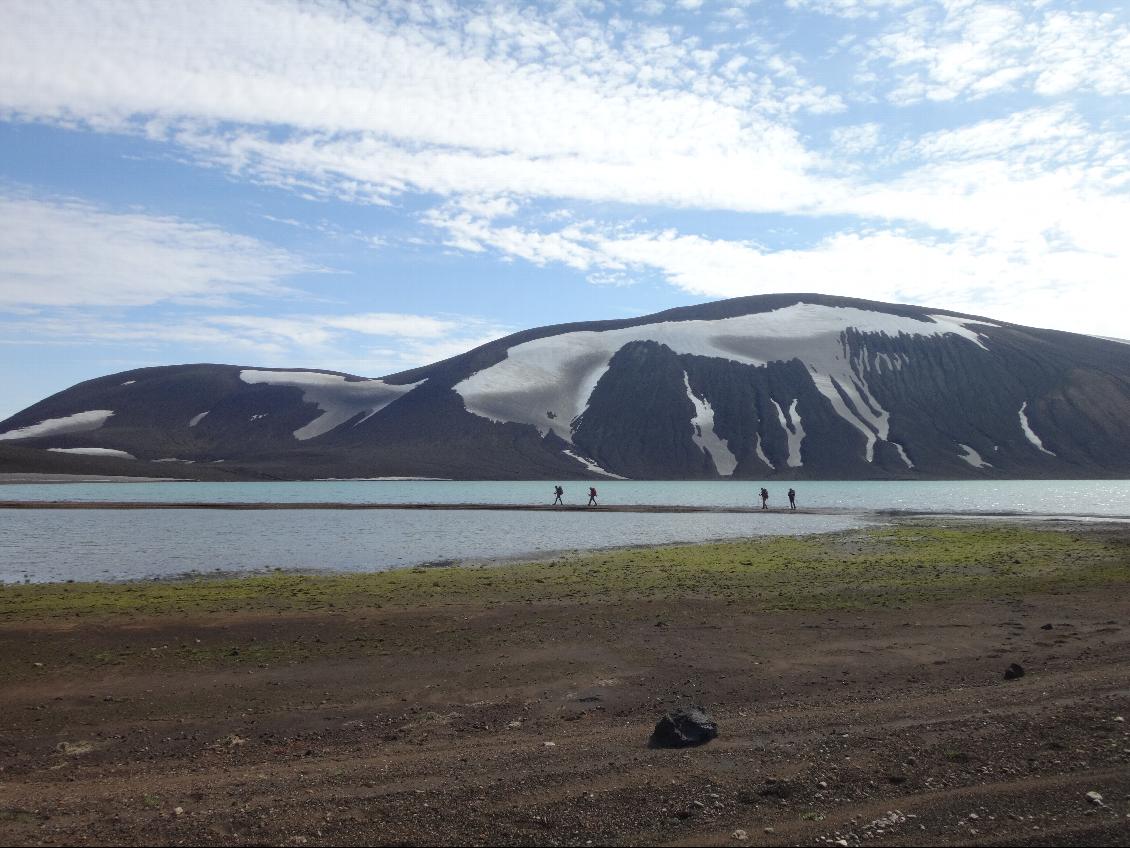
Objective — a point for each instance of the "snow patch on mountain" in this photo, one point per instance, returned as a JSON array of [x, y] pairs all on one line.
[[591, 466], [757, 449], [79, 422], [972, 457], [121, 454], [794, 430], [558, 373], [902, 455], [195, 419], [339, 399], [704, 435], [1029, 434]]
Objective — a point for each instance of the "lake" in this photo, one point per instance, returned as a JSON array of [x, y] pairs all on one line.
[[56, 545]]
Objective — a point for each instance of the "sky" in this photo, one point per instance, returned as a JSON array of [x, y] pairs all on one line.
[[371, 187]]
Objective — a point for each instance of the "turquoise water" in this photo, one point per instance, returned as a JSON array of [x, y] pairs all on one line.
[[1065, 497], [56, 545]]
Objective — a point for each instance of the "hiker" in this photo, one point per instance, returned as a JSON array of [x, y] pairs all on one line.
[[592, 496], [558, 492], [764, 498], [792, 498]]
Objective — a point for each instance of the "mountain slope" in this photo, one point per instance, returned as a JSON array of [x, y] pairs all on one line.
[[779, 386]]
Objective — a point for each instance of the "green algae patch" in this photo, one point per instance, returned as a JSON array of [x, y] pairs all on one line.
[[908, 563]]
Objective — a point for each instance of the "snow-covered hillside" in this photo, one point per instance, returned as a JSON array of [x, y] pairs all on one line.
[[547, 382], [774, 386]]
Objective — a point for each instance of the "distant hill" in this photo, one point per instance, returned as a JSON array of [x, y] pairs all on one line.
[[790, 386]]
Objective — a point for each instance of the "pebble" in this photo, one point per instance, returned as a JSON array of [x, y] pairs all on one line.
[[179, 811], [740, 835], [1095, 798]]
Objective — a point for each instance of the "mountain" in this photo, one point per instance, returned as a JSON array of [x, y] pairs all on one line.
[[796, 386]]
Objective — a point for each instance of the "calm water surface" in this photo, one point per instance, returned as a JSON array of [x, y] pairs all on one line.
[[50, 545]]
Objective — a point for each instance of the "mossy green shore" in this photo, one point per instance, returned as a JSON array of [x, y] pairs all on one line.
[[904, 564]]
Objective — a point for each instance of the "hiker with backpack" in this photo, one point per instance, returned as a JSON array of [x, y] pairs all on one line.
[[558, 492]]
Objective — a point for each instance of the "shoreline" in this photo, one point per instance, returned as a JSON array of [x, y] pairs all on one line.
[[675, 509], [856, 678]]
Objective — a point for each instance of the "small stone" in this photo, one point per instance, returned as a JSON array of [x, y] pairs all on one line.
[[1119, 719], [178, 811], [1014, 671], [739, 835], [549, 744], [770, 830], [1046, 627], [1095, 798]]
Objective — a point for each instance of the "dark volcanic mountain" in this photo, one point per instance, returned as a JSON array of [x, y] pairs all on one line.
[[777, 386]]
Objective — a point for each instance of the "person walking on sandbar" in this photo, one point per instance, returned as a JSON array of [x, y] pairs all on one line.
[[558, 492], [792, 498], [592, 496], [764, 498]]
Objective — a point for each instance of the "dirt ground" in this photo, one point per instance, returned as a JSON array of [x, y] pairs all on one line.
[[526, 722]]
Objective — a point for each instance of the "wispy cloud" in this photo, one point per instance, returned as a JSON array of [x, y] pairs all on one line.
[[368, 104], [486, 113], [373, 344], [1039, 282], [969, 50], [66, 252]]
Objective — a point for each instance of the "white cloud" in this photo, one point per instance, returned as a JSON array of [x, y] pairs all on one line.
[[493, 108], [856, 139], [849, 8], [972, 50], [368, 104], [66, 252], [373, 344], [1036, 282]]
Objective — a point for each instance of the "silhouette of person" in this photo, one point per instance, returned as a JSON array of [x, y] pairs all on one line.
[[792, 498], [558, 492], [764, 498], [592, 496]]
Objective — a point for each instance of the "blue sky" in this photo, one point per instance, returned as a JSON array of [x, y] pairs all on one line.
[[371, 187]]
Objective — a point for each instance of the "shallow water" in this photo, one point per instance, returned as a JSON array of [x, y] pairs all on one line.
[[53, 545], [1098, 497], [56, 545]]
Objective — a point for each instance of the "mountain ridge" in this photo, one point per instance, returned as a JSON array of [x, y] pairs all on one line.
[[783, 386]]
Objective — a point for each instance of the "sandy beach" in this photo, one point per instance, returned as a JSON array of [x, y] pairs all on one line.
[[857, 680]]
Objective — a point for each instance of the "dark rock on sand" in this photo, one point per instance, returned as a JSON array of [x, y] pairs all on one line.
[[682, 728], [1014, 671]]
